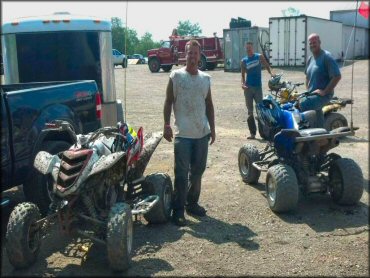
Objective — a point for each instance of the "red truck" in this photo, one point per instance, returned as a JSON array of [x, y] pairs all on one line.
[[172, 52]]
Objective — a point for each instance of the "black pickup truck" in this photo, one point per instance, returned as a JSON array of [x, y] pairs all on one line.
[[25, 109]]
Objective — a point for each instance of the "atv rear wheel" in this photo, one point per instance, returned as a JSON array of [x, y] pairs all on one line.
[[247, 155], [23, 236], [282, 188], [346, 181], [159, 184], [263, 132], [334, 120], [119, 237]]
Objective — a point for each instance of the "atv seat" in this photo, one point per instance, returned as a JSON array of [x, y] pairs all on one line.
[[312, 132]]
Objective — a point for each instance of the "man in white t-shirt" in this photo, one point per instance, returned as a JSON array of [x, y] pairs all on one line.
[[189, 94]]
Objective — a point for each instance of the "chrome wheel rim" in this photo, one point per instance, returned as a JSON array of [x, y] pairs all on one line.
[[271, 190], [243, 164]]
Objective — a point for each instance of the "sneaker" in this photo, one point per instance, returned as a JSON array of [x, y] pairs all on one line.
[[179, 220], [196, 210], [251, 137]]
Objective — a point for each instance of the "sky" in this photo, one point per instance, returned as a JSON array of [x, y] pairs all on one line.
[[159, 18]]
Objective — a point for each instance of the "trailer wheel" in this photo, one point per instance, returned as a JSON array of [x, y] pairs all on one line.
[[282, 188], [23, 240], [202, 63], [159, 184], [38, 187], [345, 181], [334, 120], [247, 155], [119, 237], [154, 65], [167, 68]]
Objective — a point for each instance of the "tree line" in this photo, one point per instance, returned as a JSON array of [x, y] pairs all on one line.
[[126, 39]]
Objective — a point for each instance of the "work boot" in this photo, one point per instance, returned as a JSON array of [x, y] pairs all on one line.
[[179, 219], [196, 210], [252, 136]]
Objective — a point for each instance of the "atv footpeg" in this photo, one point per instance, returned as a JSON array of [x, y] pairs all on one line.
[[145, 205]]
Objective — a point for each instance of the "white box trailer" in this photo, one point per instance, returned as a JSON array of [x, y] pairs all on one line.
[[361, 44], [62, 47], [234, 44], [288, 39]]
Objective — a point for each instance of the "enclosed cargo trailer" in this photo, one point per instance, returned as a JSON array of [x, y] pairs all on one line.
[[288, 39], [234, 44]]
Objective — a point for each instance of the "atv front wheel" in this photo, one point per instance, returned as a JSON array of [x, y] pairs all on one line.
[[282, 188], [247, 155], [159, 184], [23, 240], [334, 120], [346, 181], [119, 237]]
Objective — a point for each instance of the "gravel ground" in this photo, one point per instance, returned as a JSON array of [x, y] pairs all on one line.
[[240, 235]]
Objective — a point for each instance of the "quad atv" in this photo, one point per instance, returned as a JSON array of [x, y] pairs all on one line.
[[286, 92], [296, 159], [97, 188]]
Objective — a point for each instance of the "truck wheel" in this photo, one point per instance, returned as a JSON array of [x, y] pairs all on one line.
[[159, 184], [247, 155], [334, 120], [202, 63], [23, 240], [154, 65], [211, 66], [167, 68], [38, 187], [119, 236], [282, 188], [345, 181]]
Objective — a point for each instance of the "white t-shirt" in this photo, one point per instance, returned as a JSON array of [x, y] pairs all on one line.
[[190, 92]]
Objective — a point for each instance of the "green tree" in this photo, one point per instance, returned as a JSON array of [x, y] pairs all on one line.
[[133, 44], [146, 43], [118, 34], [186, 28]]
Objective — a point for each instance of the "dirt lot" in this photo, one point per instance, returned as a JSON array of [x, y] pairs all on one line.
[[240, 235]]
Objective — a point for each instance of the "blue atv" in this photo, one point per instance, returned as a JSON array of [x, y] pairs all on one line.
[[285, 92], [296, 158]]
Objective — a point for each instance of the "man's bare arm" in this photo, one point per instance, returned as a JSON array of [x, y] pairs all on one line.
[[211, 115], [167, 130]]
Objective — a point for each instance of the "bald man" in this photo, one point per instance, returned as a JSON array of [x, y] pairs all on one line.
[[322, 75]]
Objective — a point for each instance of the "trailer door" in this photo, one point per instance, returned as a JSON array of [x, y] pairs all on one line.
[[287, 40]]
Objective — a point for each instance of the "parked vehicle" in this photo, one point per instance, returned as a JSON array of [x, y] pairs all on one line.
[[62, 47], [25, 108], [138, 57], [288, 39], [98, 185], [286, 92], [297, 161], [172, 52], [119, 58]]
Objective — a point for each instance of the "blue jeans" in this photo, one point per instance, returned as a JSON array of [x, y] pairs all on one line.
[[250, 94], [315, 102], [190, 163]]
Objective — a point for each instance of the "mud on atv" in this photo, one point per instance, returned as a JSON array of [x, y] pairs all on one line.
[[98, 186]]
